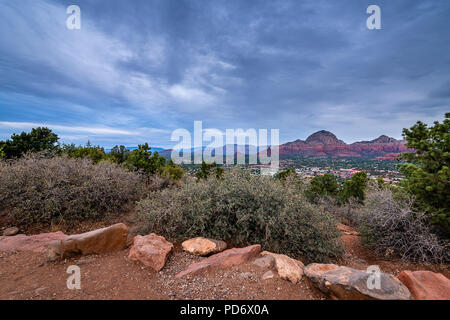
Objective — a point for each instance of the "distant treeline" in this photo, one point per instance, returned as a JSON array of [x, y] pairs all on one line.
[[44, 140]]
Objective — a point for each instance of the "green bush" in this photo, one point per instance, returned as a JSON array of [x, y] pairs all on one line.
[[36, 188], [243, 209]]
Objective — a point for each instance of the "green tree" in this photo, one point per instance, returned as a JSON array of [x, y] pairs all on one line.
[[325, 185], [39, 139], [355, 187], [380, 182], [143, 159], [206, 169], [427, 169], [119, 154], [94, 153], [171, 170], [282, 175]]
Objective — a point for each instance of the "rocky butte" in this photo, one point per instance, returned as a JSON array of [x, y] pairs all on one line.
[[325, 144]]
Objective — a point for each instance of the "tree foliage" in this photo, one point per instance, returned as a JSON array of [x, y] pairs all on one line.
[[39, 139], [144, 159], [355, 187], [321, 186], [119, 154], [207, 169], [94, 153], [282, 175], [427, 169]]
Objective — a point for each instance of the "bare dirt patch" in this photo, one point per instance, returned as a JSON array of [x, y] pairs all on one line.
[[26, 275]]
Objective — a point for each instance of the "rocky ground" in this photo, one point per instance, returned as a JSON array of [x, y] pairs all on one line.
[[29, 275]]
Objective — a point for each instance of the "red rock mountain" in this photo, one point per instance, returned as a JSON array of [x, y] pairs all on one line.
[[326, 144]]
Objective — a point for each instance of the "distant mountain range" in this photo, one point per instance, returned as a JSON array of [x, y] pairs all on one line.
[[323, 144]]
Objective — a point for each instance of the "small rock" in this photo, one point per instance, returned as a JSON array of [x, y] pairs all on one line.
[[83, 261], [426, 285], [151, 250], [10, 231], [203, 246], [268, 275], [266, 262], [246, 275], [287, 268]]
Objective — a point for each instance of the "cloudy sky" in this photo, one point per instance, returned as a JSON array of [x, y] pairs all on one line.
[[137, 70]]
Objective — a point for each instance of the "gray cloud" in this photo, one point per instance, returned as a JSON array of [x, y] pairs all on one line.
[[299, 66]]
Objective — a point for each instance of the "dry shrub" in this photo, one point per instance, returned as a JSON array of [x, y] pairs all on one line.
[[243, 209], [37, 188], [390, 225], [347, 213]]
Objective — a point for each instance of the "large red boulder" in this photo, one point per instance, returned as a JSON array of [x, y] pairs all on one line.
[[227, 258], [345, 283], [426, 285], [35, 243], [151, 250]]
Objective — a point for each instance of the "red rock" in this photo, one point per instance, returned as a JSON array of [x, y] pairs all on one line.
[[203, 246], [35, 243], [225, 259], [345, 283], [151, 250], [326, 144], [426, 285], [112, 238], [287, 268], [8, 232]]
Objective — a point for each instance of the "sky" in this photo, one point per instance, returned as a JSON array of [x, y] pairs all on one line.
[[137, 70]]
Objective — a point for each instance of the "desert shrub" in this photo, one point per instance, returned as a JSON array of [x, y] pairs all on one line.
[[36, 188], [391, 226], [243, 209], [346, 213], [207, 169]]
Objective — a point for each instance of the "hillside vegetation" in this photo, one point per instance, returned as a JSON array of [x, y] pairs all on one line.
[[42, 181]]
